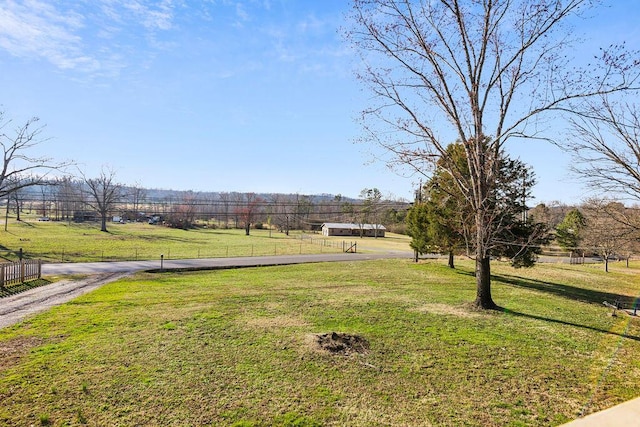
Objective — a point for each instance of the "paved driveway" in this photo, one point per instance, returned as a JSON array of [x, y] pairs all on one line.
[[16, 307]]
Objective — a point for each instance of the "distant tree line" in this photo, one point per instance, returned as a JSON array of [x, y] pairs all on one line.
[[101, 198]]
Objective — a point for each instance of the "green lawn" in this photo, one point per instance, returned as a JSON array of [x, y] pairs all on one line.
[[236, 347], [64, 242]]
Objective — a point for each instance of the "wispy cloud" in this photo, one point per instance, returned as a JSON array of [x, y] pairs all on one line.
[[36, 29], [74, 38]]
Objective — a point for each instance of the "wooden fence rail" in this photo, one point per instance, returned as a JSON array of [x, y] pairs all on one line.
[[20, 272]]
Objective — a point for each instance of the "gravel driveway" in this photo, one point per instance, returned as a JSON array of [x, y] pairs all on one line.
[[16, 307]]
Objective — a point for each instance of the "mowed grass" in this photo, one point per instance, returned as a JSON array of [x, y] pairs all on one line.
[[235, 347], [64, 242]]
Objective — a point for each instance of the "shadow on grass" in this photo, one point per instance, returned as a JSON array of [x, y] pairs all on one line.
[[576, 325], [22, 287], [566, 291]]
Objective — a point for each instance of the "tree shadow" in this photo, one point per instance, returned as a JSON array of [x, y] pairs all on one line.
[[567, 291], [564, 291], [576, 325]]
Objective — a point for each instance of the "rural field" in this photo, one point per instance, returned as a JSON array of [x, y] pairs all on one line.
[[72, 242], [253, 347]]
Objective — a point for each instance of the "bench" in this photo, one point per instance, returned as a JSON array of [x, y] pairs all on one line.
[[630, 309]]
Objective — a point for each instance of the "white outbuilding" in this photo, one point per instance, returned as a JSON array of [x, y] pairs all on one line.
[[347, 229]]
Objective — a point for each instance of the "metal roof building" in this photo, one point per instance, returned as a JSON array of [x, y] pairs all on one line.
[[348, 229]]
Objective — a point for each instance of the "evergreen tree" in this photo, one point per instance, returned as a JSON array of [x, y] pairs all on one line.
[[569, 233], [443, 221]]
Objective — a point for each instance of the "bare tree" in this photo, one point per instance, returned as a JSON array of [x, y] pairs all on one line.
[[606, 231], [249, 210], [183, 214], [136, 195], [280, 211], [19, 169], [225, 201], [103, 194], [483, 72], [69, 197], [606, 147], [372, 207]]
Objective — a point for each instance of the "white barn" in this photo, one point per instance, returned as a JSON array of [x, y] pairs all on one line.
[[347, 229]]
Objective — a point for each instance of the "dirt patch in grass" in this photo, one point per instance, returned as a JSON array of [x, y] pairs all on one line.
[[275, 322], [339, 343], [464, 311], [13, 350]]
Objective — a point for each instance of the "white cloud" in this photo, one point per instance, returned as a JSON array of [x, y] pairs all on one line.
[[36, 29], [81, 37]]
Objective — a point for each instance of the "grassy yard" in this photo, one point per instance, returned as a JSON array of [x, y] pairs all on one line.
[[63, 242], [238, 347]]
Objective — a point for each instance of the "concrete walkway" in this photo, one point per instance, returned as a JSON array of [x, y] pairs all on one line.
[[626, 414]]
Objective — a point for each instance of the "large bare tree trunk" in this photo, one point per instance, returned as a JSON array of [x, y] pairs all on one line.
[[490, 69], [483, 284]]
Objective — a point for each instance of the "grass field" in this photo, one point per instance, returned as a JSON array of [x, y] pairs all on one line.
[[64, 242], [237, 347]]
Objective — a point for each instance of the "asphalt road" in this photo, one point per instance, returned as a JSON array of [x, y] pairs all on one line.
[[92, 275], [207, 263]]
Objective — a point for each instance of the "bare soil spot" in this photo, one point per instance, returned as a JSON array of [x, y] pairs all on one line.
[[464, 311], [13, 350], [275, 322], [340, 343]]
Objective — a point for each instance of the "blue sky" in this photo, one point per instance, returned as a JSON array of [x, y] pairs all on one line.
[[218, 95]]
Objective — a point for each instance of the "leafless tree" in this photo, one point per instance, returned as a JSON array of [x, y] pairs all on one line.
[[183, 215], [249, 210], [19, 169], [280, 211], [483, 72], [607, 232], [69, 196], [225, 200], [103, 194], [371, 209], [136, 195], [606, 147]]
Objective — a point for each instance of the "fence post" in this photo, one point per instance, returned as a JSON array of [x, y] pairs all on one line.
[[2, 274], [22, 267], [39, 269], [161, 262]]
